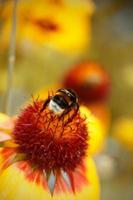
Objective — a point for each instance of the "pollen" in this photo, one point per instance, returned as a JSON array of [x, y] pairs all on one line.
[[47, 141]]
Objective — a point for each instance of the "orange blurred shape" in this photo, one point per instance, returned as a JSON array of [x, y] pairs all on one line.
[[89, 80]]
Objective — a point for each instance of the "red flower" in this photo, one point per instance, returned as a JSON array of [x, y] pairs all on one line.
[[48, 150], [89, 80]]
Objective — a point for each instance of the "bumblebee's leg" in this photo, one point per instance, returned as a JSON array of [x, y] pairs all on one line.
[[76, 108], [75, 111], [65, 113], [45, 104]]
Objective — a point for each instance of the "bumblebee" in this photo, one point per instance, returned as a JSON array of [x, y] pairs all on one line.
[[62, 103]]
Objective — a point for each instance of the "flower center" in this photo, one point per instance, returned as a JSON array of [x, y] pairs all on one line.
[[47, 142]]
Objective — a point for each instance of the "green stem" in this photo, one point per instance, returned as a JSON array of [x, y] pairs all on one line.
[[11, 60]]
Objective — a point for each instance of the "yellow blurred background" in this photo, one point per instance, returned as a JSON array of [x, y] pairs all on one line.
[[54, 36]]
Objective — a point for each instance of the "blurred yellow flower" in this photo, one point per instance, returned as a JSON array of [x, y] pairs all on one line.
[[123, 132], [97, 133], [18, 179], [102, 112], [64, 27]]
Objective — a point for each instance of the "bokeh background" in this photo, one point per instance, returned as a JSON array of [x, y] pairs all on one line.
[[100, 31]]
